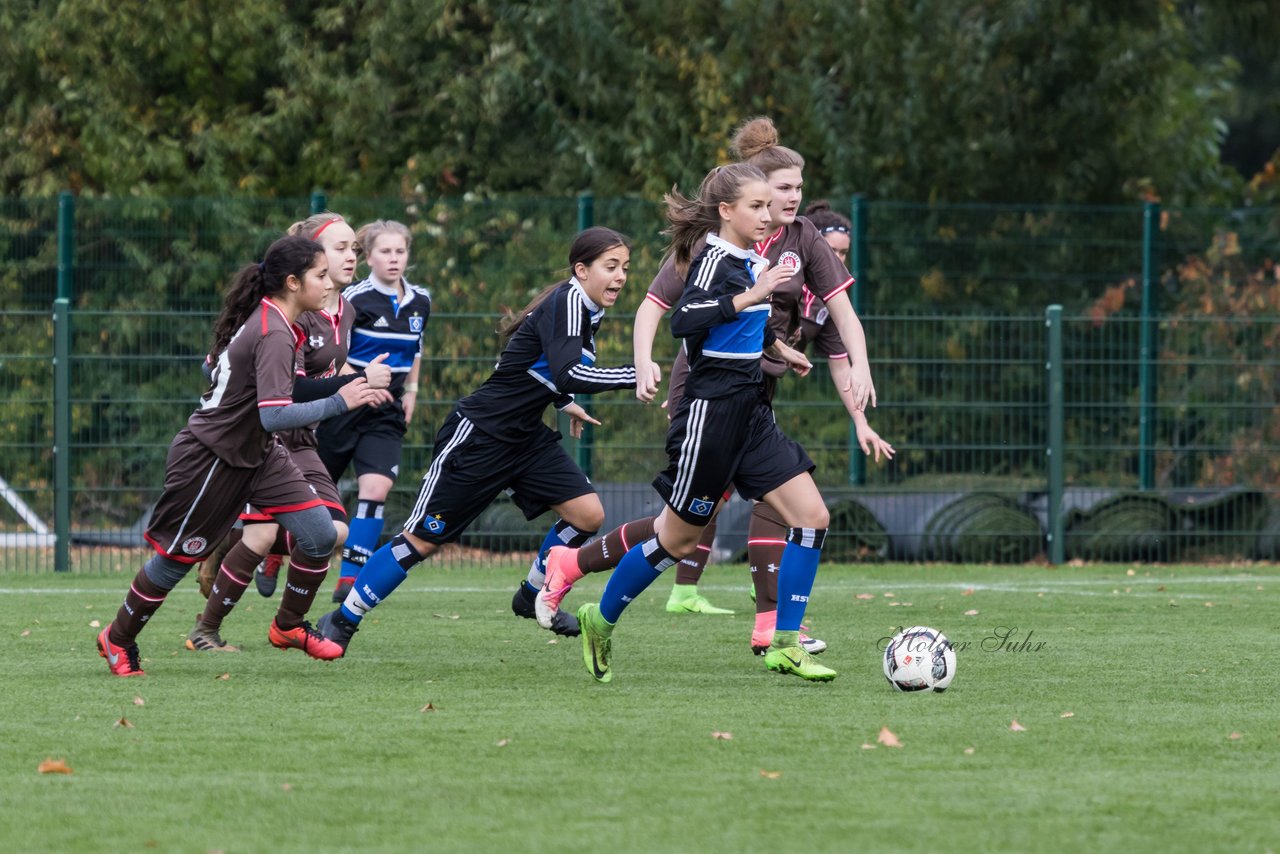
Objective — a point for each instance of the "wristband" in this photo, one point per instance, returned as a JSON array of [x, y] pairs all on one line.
[[410, 388]]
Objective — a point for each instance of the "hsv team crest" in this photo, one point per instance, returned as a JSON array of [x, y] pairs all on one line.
[[415, 323], [701, 506]]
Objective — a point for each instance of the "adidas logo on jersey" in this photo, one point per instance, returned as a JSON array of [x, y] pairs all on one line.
[[381, 322]]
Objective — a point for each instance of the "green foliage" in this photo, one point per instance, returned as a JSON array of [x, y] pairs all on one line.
[[1088, 102]]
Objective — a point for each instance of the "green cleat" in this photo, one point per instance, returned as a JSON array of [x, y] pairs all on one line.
[[795, 659], [685, 599], [597, 641]]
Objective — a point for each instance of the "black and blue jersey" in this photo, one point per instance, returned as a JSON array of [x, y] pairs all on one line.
[[550, 357], [387, 323], [723, 345]]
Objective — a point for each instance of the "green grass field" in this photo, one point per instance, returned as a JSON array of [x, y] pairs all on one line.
[[1149, 712]]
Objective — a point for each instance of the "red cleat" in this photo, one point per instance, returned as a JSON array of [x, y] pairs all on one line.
[[121, 660], [306, 639]]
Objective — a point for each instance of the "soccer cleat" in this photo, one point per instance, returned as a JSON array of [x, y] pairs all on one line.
[[762, 638], [685, 599], [523, 604], [306, 639], [337, 628], [344, 587], [546, 605], [203, 639], [597, 642], [266, 575], [794, 659], [121, 660]]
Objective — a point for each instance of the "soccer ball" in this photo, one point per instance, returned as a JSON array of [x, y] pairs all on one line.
[[919, 659]]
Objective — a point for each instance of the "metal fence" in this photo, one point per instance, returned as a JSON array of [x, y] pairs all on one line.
[[1136, 420]]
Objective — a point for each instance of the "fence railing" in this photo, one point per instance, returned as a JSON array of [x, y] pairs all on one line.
[[1135, 422]]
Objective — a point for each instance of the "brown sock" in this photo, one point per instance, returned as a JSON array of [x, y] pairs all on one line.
[[689, 570], [306, 575], [604, 553], [143, 599], [766, 538], [234, 575]]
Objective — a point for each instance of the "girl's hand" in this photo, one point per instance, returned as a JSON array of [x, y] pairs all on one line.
[[768, 281], [861, 386], [378, 374], [578, 417], [648, 376], [871, 442], [794, 359], [408, 402], [357, 393]]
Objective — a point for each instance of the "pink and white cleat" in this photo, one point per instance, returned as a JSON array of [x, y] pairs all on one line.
[[762, 635], [562, 574]]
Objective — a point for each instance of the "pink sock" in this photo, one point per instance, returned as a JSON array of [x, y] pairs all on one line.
[[766, 622]]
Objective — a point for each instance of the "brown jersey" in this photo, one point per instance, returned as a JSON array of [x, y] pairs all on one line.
[[326, 340], [254, 371], [815, 327], [798, 245]]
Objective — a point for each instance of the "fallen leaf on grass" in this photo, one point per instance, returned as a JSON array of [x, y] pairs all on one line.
[[866, 746], [968, 751], [1161, 588], [972, 612], [1208, 604], [224, 677], [124, 723], [138, 701], [503, 742], [1017, 727], [54, 766], [722, 736], [288, 787], [887, 738], [427, 708], [1067, 715], [1130, 572], [1235, 736], [553, 640], [770, 775], [968, 591], [25, 633], [889, 596], [95, 624], [865, 596]]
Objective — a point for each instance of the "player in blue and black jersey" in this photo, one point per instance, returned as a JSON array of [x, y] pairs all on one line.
[[722, 433], [390, 317], [495, 440]]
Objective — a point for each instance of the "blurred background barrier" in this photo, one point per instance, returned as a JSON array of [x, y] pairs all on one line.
[[1060, 382]]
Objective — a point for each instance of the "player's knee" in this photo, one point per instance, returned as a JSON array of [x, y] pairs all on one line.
[[165, 572], [819, 517], [591, 519]]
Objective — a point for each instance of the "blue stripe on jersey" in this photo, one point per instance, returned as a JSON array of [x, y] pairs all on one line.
[[742, 338], [366, 346]]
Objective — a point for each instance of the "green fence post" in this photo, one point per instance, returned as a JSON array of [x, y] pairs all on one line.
[[319, 202], [857, 266], [1054, 453], [1147, 355], [586, 219], [62, 384]]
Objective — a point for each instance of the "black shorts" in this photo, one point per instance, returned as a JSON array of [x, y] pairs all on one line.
[[372, 438], [470, 468], [714, 443]]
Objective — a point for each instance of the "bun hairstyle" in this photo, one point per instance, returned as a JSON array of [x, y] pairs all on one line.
[[756, 142], [825, 219]]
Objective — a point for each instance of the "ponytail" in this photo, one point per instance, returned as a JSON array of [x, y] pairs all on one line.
[[288, 256], [589, 245], [693, 218]]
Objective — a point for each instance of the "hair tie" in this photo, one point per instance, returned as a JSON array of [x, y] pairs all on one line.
[[262, 267], [326, 225], [837, 228]]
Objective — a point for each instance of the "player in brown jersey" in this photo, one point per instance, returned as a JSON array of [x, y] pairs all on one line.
[[226, 456], [322, 360], [795, 242]]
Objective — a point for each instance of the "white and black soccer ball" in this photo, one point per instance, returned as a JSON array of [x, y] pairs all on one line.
[[919, 659]]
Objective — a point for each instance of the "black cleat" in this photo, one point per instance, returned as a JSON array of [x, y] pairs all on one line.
[[340, 592], [564, 624], [337, 628]]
